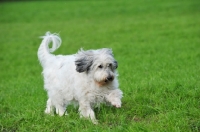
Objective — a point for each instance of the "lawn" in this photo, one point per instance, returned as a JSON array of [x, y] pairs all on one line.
[[156, 44]]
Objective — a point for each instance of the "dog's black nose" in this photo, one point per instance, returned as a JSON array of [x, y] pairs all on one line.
[[109, 78]]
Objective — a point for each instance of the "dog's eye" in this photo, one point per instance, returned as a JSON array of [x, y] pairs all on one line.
[[100, 66], [109, 65]]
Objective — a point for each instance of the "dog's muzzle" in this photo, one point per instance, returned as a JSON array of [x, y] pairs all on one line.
[[109, 78], [105, 81]]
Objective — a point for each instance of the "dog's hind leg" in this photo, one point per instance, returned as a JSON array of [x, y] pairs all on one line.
[[49, 108], [87, 112], [60, 110]]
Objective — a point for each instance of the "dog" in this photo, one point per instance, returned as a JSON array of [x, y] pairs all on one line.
[[87, 78]]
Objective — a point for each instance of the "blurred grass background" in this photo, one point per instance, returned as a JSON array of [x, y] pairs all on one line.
[[157, 46]]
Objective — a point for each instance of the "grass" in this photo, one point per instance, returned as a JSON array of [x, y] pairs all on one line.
[[155, 42]]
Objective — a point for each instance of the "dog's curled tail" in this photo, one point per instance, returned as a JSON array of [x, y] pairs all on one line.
[[44, 50]]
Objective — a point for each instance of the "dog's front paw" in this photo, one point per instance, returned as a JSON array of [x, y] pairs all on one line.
[[115, 98], [116, 103]]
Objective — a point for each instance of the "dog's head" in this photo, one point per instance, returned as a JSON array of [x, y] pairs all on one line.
[[100, 63]]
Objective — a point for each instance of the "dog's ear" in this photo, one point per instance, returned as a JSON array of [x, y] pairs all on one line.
[[115, 64], [83, 64], [84, 60]]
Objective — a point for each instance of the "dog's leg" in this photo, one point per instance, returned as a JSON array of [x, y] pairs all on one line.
[[60, 110], [115, 98], [87, 112], [49, 108]]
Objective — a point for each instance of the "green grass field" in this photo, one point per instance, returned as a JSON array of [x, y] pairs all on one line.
[[156, 43]]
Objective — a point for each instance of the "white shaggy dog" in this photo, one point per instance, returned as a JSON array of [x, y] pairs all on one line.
[[88, 78]]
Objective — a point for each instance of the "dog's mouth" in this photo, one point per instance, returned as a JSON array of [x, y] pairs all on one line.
[[105, 81]]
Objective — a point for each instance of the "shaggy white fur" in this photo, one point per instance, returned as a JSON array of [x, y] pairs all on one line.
[[88, 78]]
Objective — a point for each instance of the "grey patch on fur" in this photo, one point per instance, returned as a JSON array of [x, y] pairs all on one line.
[[84, 60], [115, 64], [61, 65], [83, 64]]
